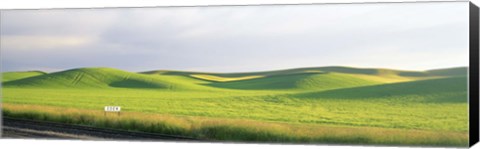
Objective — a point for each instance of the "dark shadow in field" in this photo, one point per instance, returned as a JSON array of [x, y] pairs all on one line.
[[286, 81], [137, 84], [449, 90]]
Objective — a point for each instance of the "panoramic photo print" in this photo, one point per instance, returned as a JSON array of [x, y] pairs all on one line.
[[371, 74]]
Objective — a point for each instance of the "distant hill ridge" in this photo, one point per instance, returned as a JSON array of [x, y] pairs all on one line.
[[300, 78], [339, 69]]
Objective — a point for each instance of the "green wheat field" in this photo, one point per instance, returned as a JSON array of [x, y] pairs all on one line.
[[332, 105]]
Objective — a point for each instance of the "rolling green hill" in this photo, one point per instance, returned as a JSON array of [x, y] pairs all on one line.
[[11, 76], [320, 78], [104, 78], [316, 78]]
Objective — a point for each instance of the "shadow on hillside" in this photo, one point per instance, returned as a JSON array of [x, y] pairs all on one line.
[[452, 89]]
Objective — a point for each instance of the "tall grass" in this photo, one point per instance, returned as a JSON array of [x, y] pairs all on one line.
[[238, 130], [408, 112]]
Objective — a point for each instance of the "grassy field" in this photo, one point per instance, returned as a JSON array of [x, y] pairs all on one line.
[[305, 105]]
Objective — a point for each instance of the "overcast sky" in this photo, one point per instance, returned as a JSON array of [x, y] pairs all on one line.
[[409, 36]]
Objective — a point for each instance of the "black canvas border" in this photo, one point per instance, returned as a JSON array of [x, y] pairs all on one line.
[[474, 75]]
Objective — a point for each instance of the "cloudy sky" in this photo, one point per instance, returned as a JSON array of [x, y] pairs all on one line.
[[411, 36]]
